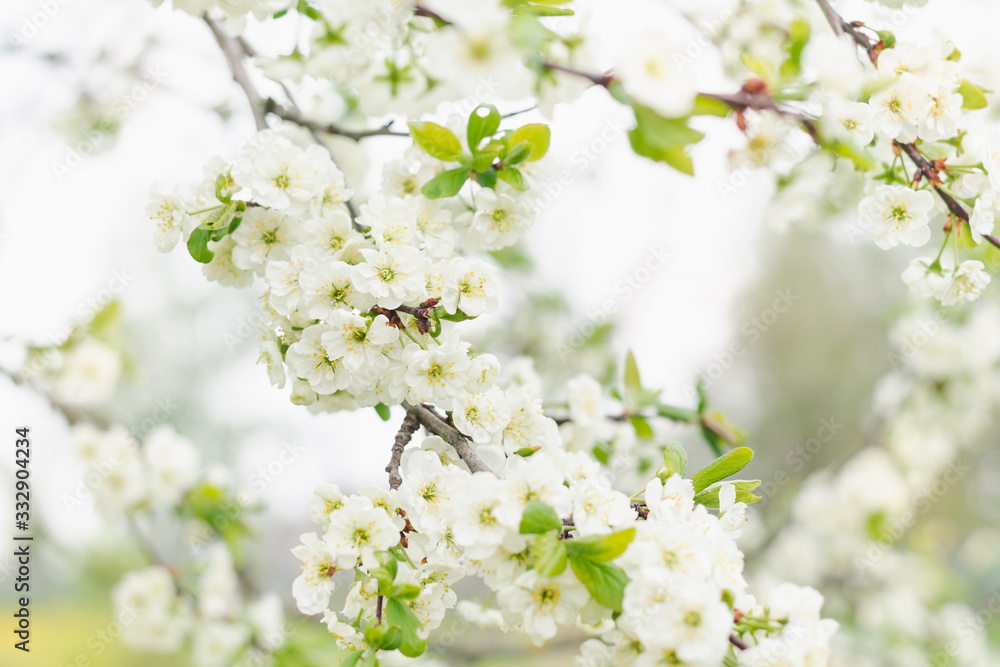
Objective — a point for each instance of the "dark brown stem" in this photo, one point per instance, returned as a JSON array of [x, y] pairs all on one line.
[[434, 424], [409, 426], [293, 115], [738, 643], [841, 27], [378, 609], [234, 50], [420, 10], [603, 80]]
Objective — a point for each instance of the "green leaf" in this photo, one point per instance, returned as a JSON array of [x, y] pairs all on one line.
[[744, 493], [513, 178], [601, 548], [710, 106], [385, 638], [632, 383], [351, 660], [436, 140], [550, 554], [664, 132], [674, 157], [221, 217], [222, 192], [725, 466], [405, 591], [399, 613], [198, 245], [446, 184], [798, 36], [972, 96], [311, 12], [517, 154], [888, 39], [605, 581], [536, 135], [641, 426], [539, 517], [385, 573], [676, 414], [482, 125], [383, 411], [487, 178], [675, 461], [540, 10]]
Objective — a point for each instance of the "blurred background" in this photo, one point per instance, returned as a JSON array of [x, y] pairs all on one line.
[[103, 98]]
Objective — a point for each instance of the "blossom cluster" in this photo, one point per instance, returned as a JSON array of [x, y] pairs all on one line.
[[657, 579], [364, 312]]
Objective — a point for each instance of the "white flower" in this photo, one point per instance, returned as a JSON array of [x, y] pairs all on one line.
[[283, 279], [538, 605], [941, 121], [897, 215], [217, 643], [482, 416], [852, 120], [279, 173], [732, 515], [327, 287], [502, 216], [437, 374], [597, 508], [471, 287], [358, 529], [920, 279], [222, 269], [166, 209], [967, 282], [218, 585], [651, 72], [393, 275], [673, 499], [528, 426], [984, 214], [393, 220], [326, 499], [173, 466], [330, 236], [89, 375], [314, 586], [263, 236], [900, 109], [477, 509], [270, 356], [695, 624], [358, 341], [309, 360], [586, 400]]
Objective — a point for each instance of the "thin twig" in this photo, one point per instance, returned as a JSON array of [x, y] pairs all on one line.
[[603, 80], [234, 51], [410, 424], [293, 115], [738, 643], [434, 424], [923, 165]]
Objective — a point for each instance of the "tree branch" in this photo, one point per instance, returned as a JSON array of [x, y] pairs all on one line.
[[293, 115], [234, 50], [841, 27], [410, 424], [434, 424]]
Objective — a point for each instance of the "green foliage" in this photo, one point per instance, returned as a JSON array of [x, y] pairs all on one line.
[[744, 493], [437, 141], [725, 466], [539, 517]]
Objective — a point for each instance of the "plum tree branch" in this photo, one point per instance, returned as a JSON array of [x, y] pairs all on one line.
[[406, 430], [924, 166], [434, 424]]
